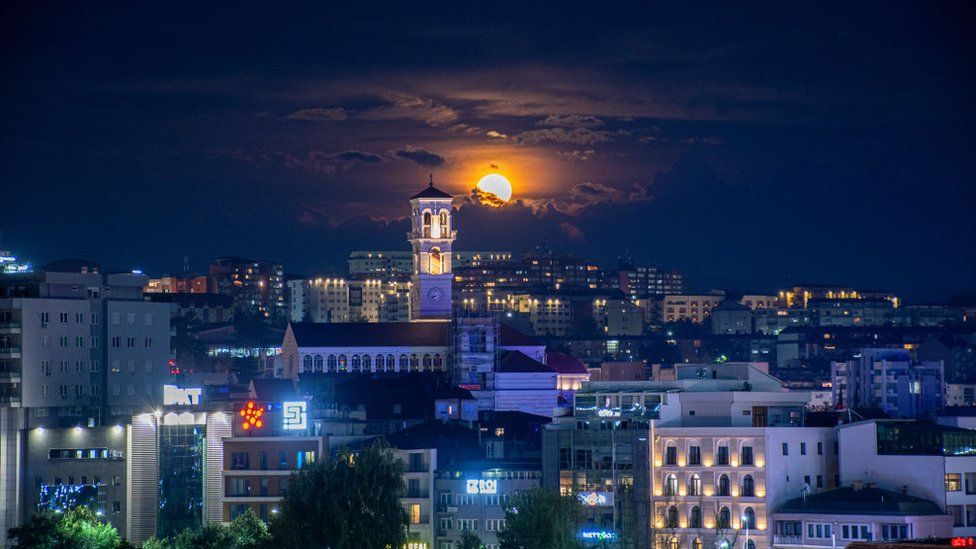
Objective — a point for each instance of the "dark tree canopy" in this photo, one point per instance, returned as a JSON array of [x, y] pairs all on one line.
[[542, 519], [350, 502]]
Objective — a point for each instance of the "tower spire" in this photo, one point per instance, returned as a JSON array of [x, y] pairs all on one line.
[[431, 180]]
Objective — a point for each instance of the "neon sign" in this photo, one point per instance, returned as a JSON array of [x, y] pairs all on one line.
[[295, 415], [598, 535], [963, 542], [252, 416], [596, 499], [482, 486]]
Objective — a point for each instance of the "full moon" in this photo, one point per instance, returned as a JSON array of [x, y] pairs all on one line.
[[494, 190]]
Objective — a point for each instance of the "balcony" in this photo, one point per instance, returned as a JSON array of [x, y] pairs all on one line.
[[9, 352], [417, 494], [12, 400], [9, 376], [787, 540], [10, 327]]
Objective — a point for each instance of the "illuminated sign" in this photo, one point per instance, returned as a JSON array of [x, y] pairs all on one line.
[[596, 499], [252, 415], [295, 415], [598, 535], [963, 542], [181, 396], [607, 412], [482, 487]]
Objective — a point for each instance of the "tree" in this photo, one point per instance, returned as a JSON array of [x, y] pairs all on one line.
[[352, 501], [541, 519], [249, 532], [78, 528], [469, 541], [212, 535]]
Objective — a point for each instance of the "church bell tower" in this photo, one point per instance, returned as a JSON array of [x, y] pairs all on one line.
[[431, 236]]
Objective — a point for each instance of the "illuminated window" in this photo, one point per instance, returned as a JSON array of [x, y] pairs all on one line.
[[694, 485], [953, 482], [724, 486], [671, 485], [415, 512]]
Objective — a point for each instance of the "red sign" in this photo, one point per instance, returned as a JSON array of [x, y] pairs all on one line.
[[963, 542], [252, 416]]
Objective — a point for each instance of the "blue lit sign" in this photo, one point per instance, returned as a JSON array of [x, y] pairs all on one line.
[[598, 535]]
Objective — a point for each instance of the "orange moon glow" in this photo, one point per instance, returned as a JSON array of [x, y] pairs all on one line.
[[493, 190]]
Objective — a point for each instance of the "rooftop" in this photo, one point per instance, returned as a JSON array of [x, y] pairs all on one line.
[[431, 192], [866, 500], [390, 334], [518, 362]]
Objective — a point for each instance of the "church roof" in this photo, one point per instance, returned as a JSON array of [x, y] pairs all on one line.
[[371, 334], [431, 192], [390, 334]]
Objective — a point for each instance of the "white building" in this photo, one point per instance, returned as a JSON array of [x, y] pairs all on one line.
[[936, 462], [857, 513], [431, 238]]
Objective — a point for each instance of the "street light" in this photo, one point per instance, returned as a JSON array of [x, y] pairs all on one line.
[[745, 521]]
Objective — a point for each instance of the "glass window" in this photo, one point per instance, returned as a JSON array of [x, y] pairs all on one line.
[[953, 482], [723, 455]]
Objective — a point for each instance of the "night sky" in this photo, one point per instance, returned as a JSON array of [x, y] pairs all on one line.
[[750, 146]]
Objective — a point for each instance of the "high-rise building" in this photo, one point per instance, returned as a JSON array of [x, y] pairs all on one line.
[[431, 238], [643, 281], [324, 299], [257, 286], [889, 380], [80, 352]]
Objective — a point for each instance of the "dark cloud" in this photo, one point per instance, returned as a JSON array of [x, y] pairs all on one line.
[[571, 120], [331, 114], [330, 163], [420, 156]]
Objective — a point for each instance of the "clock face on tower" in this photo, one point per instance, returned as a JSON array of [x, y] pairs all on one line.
[[435, 294]]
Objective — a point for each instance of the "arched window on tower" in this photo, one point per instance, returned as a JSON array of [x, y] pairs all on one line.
[[436, 261], [426, 224], [445, 230]]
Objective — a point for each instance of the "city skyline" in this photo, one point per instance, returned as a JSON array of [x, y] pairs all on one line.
[[734, 147]]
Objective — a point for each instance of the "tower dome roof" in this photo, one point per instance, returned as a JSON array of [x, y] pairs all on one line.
[[431, 192]]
